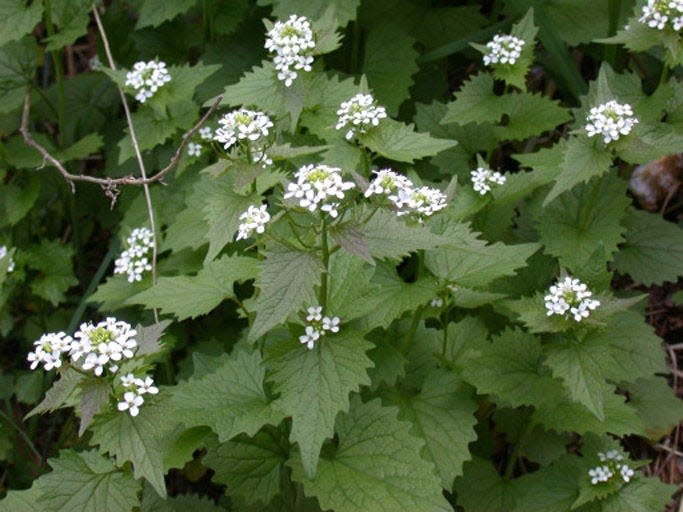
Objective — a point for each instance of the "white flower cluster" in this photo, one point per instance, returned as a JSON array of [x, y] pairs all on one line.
[[318, 326], [95, 64], [436, 302], [206, 133], [194, 149], [657, 13], [292, 42], [503, 49], [4, 251], [483, 178], [613, 466], [570, 295], [106, 343], [318, 184], [254, 219], [361, 112], [134, 260], [611, 120], [408, 199], [136, 387], [245, 125], [48, 350], [146, 78]]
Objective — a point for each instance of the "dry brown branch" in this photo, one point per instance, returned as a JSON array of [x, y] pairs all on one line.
[[107, 182]]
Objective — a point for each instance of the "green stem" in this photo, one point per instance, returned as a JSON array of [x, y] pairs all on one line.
[[519, 445], [610, 50], [664, 77], [325, 260], [59, 73], [355, 49]]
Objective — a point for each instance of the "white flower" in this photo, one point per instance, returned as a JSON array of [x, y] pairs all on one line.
[[291, 41], [107, 342], [254, 219], [95, 64], [331, 324], [134, 261], [318, 185], [206, 133], [626, 473], [503, 49], [314, 314], [436, 302], [249, 126], [421, 202], [611, 120], [570, 296], [4, 251], [131, 402], [482, 179], [310, 336], [658, 13], [128, 380], [48, 350], [612, 466], [146, 385], [146, 78], [600, 474], [387, 182], [194, 149], [610, 455], [360, 112]]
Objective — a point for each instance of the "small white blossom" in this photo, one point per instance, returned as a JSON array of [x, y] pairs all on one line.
[[331, 324], [106, 343], [611, 120], [483, 178], [95, 64], [146, 78], [387, 182], [292, 42], [318, 186], [570, 296], [360, 112], [658, 13], [612, 466], [318, 326], [249, 126], [131, 402], [145, 386], [48, 350], [436, 302], [421, 202], [134, 261], [194, 149], [314, 314], [254, 219], [128, 380], [503, 49], [310, 336], [206, 133], [4, 251]]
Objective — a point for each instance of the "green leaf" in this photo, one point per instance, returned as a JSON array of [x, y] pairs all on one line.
[[154, 14], [475, 102], [657, 405], [258, 87], [325, 95], [344, 10], [314, 385], [582, 219], [235, 392], [389, 67], [442, 414], [192, 296], [22, 501], [515, 75], [286, 283], [376, 466], [72, 18], [653, 250], [17, 20], [640, 495], [18, 61], [53, 261], [397, 141], [470, 262], [59, 393], [490, 494], [81, 148], [151, 502], [17, 201], [87, 482], [148, 338], [95, 395], [511, 368], [251, 466]]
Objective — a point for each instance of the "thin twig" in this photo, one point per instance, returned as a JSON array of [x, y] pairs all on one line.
[[138, 153]]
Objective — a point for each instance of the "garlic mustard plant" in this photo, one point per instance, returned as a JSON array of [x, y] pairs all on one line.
[[483, 179], [318, 326], [254, 219], [146, 78], [611, 120], [359, 114], [48, 350], [570, 297], [104, 344], [136, 259], [611, 466], [134, 390], [319, 187], [662, 13], [292, 42], [503, 49]]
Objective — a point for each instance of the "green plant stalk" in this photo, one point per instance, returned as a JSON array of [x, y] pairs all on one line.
[[59, 73], [322, 299], [610, 50]]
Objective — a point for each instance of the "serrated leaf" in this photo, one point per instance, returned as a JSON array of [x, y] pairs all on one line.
[[258, 87], [641, 495], [154, 14], [476, 92], [251, 466], [53, 260], [325, 95], [72, 17], [653, 250], [94, 395], [286, 283], [344, 10], [192, 296], [657, 405], [239, 403], [377, 463], [151, 502], [511, 368], [583, 160], [350, 237], [59, 393], [490, 494], [314, 385], [468, 261], [389, 67], [442, 414], [580, 220], [397, 141], [87, 482], [17, 20], [148, 338], [515, 75]]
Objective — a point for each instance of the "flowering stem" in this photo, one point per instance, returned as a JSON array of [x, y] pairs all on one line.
[[326, 261]]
